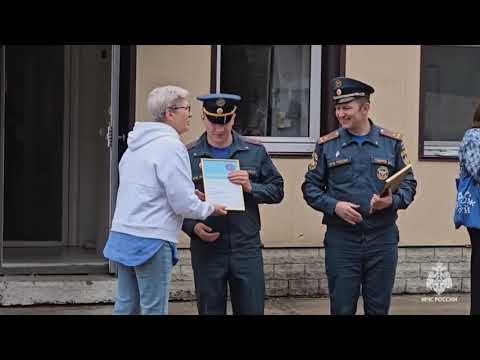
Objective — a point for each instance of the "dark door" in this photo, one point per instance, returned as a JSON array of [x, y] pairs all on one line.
[[33, 160]]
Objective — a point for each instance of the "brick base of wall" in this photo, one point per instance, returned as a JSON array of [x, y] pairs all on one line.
[[301, 272]]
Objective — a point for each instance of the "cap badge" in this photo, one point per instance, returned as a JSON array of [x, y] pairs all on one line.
[[338, 83], [339, 92], [219, 111], [220, 102]]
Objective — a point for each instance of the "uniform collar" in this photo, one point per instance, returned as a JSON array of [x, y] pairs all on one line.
[[372, 137], [203, 149]]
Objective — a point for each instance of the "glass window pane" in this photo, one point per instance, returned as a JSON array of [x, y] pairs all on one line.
[[274, 82], [451, 84]]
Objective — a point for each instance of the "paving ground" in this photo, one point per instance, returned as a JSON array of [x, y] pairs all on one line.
[[401, 305]]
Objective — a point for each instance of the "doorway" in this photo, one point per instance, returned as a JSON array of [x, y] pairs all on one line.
[[57, 161]]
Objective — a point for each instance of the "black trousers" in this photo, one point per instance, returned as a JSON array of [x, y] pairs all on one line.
[[241, 271], [361, 263], [475, 271]]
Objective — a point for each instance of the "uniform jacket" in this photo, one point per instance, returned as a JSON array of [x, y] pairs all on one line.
[[343, 170], [239, 229]]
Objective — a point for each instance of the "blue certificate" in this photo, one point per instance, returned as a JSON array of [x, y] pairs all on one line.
[[218, 188]]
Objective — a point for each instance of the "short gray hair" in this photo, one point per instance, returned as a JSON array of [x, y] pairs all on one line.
[[162, 98]]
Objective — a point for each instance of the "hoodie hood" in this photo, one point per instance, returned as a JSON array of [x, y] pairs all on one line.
[[146, 132]]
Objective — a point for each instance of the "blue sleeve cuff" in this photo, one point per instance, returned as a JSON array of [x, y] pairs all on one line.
[[257, 192], [396, 201], [255, 188], [331, 205]]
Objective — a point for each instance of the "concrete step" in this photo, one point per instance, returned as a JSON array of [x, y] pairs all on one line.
[[56, 289]]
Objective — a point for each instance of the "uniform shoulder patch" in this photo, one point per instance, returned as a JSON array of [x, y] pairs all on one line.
[[192, 144], [391, 134], [250, 140], [333, 135]]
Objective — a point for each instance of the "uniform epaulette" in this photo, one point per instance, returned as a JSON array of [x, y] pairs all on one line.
[[192, 144], [333, 135], [391, 134], [252, 141]]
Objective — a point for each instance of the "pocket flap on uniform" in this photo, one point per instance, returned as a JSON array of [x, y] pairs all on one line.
[[339, 162], [380, 161]]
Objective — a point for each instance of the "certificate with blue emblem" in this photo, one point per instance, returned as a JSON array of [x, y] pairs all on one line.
[[218, 188]]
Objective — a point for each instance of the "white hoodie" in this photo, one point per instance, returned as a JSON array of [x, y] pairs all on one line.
[[156, 190]]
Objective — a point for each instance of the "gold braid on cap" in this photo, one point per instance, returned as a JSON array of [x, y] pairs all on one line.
[[349, 95], [220, 114]]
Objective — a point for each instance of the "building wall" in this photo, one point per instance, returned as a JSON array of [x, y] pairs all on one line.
[[394, 72], [288, 272], [187, 66], [301, 272], [427, 234]]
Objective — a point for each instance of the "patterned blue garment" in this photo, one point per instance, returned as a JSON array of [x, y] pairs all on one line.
[[131, 250], [469, 153]]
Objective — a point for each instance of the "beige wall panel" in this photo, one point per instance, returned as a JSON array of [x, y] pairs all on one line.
[[187, 66], [291, 223]]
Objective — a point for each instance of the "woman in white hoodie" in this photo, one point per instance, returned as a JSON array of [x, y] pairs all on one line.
[[155, 194]]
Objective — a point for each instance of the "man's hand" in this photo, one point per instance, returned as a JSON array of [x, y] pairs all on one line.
[[200, 195], [380, 203], [205, 233], [347, 212], [241, 177]]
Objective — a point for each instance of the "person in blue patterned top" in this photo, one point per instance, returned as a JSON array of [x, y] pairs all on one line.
[[469, 161]]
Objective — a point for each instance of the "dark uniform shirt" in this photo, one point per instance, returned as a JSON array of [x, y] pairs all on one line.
[[238, 229], [344, 170]]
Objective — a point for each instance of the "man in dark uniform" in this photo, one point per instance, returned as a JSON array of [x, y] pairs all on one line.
[[229, 250], [344, 181]]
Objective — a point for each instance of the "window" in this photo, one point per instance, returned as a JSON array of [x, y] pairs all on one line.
[[450, 92], [280, 86]]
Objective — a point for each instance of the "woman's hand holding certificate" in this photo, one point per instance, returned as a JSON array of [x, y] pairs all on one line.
[[219, 209]]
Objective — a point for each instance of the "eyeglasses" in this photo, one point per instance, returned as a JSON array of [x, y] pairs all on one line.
[[188, 108]]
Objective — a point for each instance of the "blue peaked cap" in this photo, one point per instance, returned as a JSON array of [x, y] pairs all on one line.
[[219, 108]]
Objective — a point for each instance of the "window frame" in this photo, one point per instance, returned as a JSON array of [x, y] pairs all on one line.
[[440, 145], [289, 145]]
